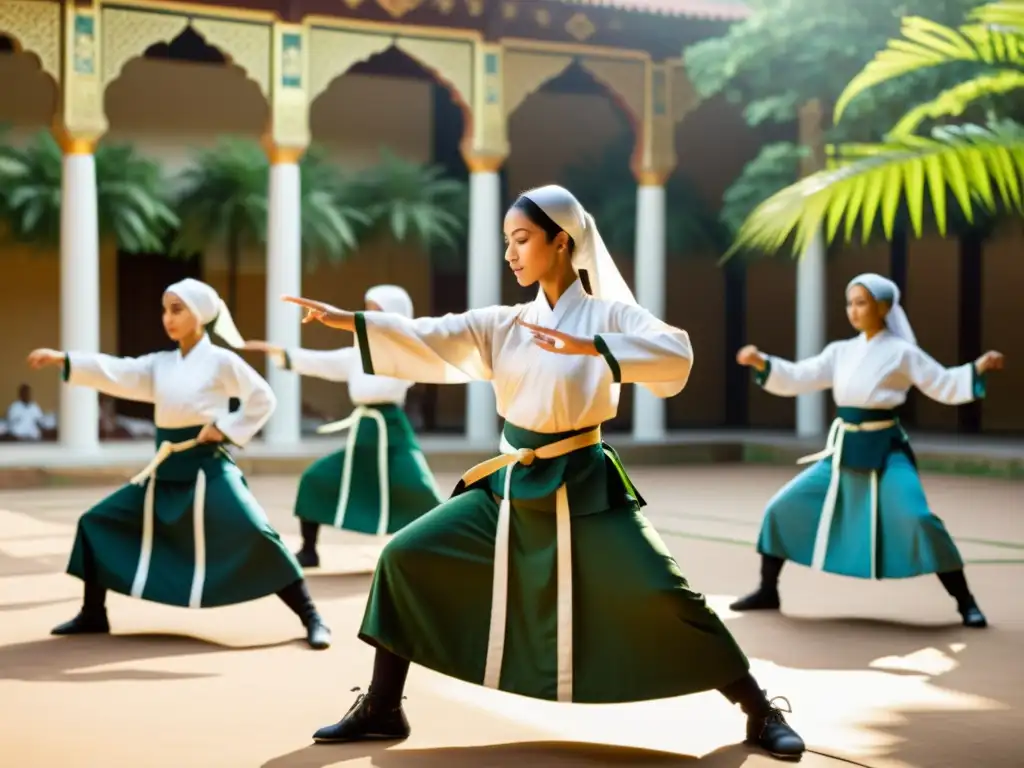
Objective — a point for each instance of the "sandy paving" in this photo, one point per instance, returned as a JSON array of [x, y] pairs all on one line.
[[878, 673]]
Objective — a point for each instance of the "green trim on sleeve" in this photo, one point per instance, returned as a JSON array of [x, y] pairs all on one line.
[[609, 358], [364, 343], [287, 364], [979, 384], [760, 377], [66, 371]]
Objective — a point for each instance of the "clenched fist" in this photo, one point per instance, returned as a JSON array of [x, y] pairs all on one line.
[[751, 357], [41, 358]]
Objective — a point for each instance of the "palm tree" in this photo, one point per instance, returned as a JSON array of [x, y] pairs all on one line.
[[967, 168], [415, 202], [605, 186], [223, 199], [129, 194]]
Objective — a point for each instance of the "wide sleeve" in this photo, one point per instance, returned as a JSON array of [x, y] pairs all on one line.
[[788, 379], [453, 349], [241, 381], [950, 386], [645, 350], [127, 378], [332, 364]]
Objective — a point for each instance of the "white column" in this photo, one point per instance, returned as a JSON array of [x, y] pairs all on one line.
[[811, 326], [284, 276], [79, 296], [648, 410], [485, 263]]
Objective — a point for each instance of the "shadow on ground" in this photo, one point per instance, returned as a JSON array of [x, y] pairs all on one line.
[[538, 753]]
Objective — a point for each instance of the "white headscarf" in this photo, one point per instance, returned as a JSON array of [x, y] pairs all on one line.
[[391, 298], [211, 312], [884, 289], [591, 253]]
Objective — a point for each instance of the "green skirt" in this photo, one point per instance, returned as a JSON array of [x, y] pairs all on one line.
[[635, 631], [378, 483], [193, 536]]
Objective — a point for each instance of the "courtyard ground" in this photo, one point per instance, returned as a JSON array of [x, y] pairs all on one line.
[[878, 674]]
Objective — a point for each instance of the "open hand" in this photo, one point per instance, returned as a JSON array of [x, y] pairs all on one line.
[[990, 361], [210, 434], [751, 357], [558, 342], [41, 358], [319, 311]]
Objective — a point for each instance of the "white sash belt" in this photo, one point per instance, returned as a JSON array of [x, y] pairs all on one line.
[[351, 423], [834, 449], [147, 477], [511, 456]]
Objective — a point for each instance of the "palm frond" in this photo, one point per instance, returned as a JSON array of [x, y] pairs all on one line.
[[980, 167], [954, 101], [1009, 14], [926, 43]]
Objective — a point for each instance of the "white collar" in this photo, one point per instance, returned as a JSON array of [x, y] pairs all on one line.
[[572, 296]]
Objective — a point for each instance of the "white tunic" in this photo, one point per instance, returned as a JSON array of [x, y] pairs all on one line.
[[186, 391], [871, 373], [23, 420], [345, 365], [537, 389]]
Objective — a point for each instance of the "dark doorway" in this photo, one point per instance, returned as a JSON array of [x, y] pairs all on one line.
[[141, 280]]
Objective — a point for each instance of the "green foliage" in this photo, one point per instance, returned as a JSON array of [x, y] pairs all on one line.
[[776, 166], [412, 202], [605, 186], [980, 166], [131, 207]]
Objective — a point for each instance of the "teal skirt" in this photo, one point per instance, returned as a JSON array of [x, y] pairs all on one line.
[[909, 539], [635, 629], [378, 483], [207, 541]]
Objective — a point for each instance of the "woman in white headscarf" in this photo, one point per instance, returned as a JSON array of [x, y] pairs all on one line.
[[186, 531], [541, 576], [860, 509], [379, 482]]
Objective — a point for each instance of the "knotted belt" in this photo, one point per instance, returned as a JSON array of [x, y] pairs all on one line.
[[351, 423], [510, 457], [834, 449]]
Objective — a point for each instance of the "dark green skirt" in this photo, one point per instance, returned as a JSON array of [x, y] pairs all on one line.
[[638, 631], [209, 543], [370, 486]]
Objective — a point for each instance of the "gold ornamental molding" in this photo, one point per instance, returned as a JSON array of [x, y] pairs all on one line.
[[35, 28]]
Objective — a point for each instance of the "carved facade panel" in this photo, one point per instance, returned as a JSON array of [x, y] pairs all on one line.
[[450, 60], [684, 96], [333, 52], [526, 72], [128, 33], [247, 43], [626, 78], [36, 27], [290, 100]]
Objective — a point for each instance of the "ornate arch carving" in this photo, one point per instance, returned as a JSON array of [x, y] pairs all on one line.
[[35, 27]]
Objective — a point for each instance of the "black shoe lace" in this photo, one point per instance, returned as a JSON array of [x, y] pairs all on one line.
[[359, 700]]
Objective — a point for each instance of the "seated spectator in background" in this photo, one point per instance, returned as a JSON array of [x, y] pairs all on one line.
[[24, 416]]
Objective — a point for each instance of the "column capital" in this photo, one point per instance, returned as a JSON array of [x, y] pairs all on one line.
[[72, 143], [479, 162], [282, 153], [651, 178]]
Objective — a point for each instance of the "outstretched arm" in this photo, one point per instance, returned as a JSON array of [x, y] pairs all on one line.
[[331, 364], [452, 349], [950, 386], [786, 378], [641, 349], [128, 378]]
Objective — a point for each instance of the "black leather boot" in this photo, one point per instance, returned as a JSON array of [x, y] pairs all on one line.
[[92, 619], [766, 597], [308, 557], [369, 719], [296, 596], [955, 583], [766, 725]]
